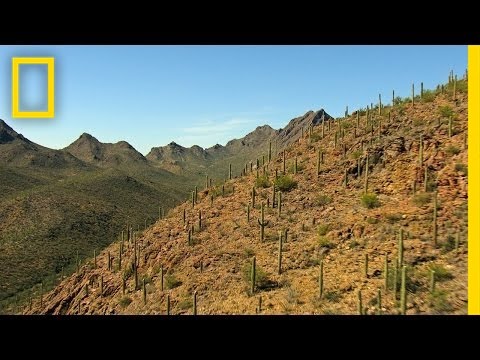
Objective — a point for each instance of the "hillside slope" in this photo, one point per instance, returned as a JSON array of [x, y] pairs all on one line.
[[329, 222], [53, 205]]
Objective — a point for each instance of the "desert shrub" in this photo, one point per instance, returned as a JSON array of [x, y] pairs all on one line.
[[393, 217], [356, 154], [172, 282], [445, 111], [325, 242], [372, 220], [125, 301], [428, 96], [315, 137], [461, 168], [441, 274], [332, 296], [422, 199], [452, 150], [261, 277], [263, 182], [323, 229], [322, 200], [285, 183], [439, 301], [185, 304], [449, 244], [370, 200]]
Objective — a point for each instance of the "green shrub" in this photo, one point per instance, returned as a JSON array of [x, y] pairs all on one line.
[[449, 244], [428, 96], [323, 229], [324, 242], [172, 282], [370, 200], [185, 304], [125, 301], [461, 168], [248, 252], [441, 274], [300, 167], [261, 277], [452, 150], [322, 200], [315, 137], [263, 182], [439, 301], [332, 296], [422, 199], [393, 217], [285, 183], [356, 154], [445, 111], [372, 220]]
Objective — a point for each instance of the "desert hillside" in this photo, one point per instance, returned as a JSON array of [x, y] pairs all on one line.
[[370, 217]]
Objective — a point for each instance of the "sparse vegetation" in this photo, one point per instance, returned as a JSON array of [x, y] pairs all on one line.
[[452, 150], [322, 200], [125, 301], [439, 301], [261, 277], [325, 242], [461, 168], [445, 111], [393, 218], [262, 182], [285, 183], [370, 200], [422, 199], [172, 282], [441, 274], [323, 229]]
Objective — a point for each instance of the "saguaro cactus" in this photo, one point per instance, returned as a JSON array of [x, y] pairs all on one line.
[[379, 104], [195, 302], [280, 243], [432, 281], [161, 278], [413, 95], [273, 196], [199, 220], [284, 155], [365, 269], [144, 292], [455, 88], [449, 126], [94, 259], [253, 197], [403, 292], [253, 275], [379, 301], [400, 248], [360, 304], [230, 171], [279, 203], [262, 223], [168, 304], [320, 280], [386, 273], [184, 216], [248, 212], [366, 175], [435, 219], [318, 161], [421, 90], [420, 151], [269, 152], [101, 286]]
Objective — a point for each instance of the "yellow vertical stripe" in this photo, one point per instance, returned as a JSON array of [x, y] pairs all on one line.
[[473, 179]]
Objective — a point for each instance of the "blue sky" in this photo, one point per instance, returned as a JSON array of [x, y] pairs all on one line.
[[152, 95]]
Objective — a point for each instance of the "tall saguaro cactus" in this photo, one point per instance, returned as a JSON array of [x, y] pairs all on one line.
[[253, 275], [400, 248], [435, 205], [230, 171], [280, 243], [262, 223], [320, 280], [279, 203], [403, 292]]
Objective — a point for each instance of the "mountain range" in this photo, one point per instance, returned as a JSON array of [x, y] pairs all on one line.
[[57, 206]]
